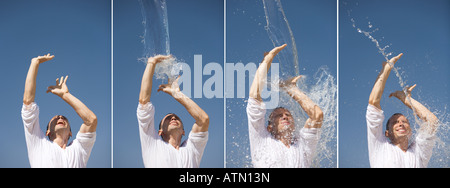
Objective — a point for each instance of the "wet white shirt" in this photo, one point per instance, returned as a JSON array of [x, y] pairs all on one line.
[[43, 153], [159, 154], [268, 152], [383, 154]]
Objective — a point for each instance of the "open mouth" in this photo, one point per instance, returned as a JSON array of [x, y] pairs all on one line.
[[60, 122]]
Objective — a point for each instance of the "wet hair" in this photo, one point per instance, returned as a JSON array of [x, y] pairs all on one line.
[[391, 119], [271, 114], [63, 117]]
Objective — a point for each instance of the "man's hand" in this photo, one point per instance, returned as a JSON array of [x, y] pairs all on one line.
[[401, 95], [158, 59], [172, 88], [41, 59], [393, 60], [291, 82], [60, 88]]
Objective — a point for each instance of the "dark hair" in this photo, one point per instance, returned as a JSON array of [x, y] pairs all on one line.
[[64, 117], [171, 114], [389, 120]]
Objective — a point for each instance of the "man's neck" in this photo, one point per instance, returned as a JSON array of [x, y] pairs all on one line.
[[402, 144], [173, 140], [286, 139], [62, 142]]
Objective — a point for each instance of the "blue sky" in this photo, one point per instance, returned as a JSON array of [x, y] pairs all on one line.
[[418, 29], [78, 34], [195, 27], [313, 24]]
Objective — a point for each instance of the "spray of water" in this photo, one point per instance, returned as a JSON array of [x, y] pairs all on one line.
[[441, 151], [321, 89], [156, 39], [279, 31]]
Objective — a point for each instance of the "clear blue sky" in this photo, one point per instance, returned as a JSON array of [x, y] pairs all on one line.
[[313, 24], [421, 31], [78, 34], [195, 27]]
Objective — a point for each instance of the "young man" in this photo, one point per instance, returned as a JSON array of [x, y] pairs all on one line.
[[164, 148], [391, 149], [55, 151], [276, 145]]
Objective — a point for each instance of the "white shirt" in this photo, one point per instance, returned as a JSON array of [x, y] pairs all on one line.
[[383, 154], [156, 153], [268, 152], [42, 153]]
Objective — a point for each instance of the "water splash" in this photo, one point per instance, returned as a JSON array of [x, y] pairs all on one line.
[[168, 69], [320, 88], [155, 37], [279, 31], [441, 151]]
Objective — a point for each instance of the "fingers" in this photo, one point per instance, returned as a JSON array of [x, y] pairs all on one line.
[[278, 49], [61, 80], [162, 87], [295, 79], [176, 80], [50, 88], [411, 88], [396, 58], [65, 79], [158, 58]]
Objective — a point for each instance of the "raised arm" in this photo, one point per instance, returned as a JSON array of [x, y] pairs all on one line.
[[261, 73], [201, 118], [315, 114], [89, 118], [421, 111], [378, 87], [147, 78], [30, 83]]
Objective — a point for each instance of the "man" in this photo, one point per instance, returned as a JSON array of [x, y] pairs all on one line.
[[56, 151], [391, 149], [276, 145], [164, 148]]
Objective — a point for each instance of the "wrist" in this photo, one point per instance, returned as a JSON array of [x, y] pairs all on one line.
[[178, 95], [65, 96]]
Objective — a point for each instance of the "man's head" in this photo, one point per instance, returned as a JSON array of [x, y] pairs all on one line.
[[280, 122], [58, 125], [170, 124], [398, 127]]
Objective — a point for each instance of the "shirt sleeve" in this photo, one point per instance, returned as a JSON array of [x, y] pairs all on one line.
[[30, 118], [197, 141], [147, 133], [375, 136], [256, 118], [309, 137], [85, 143], [424, 144], [145, 114]]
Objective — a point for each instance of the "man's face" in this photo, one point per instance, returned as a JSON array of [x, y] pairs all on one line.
[[282, 120], [59, 123], [171, 122], [399, 128]]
